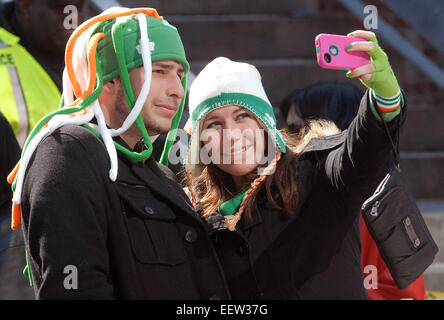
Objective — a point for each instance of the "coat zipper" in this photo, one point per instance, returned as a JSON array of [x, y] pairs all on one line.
[[375, 206], [374, 210]]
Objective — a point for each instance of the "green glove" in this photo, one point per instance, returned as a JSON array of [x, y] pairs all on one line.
[[383, 81], [384, 88]]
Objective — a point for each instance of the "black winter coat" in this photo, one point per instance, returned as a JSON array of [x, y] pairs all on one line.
[[13, 284], [136, 238], [315, 253]]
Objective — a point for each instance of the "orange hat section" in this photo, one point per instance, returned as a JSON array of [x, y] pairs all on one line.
[[83, 27], [91, 56]]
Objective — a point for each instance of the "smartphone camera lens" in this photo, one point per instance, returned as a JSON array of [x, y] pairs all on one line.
[[327, 58], [334, 50]]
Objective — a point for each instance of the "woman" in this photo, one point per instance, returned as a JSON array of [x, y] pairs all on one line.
[[279, 206], [339, 102]]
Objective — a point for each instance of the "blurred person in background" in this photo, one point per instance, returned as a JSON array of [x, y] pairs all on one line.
[[337, 102], [33, 35]]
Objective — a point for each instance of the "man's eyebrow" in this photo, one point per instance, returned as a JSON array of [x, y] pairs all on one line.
[[168, 66]]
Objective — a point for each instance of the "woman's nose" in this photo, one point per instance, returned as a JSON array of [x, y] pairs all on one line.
[[232, 137]]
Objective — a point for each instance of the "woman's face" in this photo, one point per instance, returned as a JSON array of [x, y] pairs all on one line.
[[233, 139]]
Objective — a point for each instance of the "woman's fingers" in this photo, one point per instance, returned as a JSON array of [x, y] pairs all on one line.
[[366, 77], [361, 34], [361, 46], [370, 46], [363, 72]]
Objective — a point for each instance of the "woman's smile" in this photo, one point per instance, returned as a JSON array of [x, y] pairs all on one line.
[[237, 151]]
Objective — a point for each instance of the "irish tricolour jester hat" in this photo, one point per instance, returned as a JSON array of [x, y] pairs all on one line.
[[100, 49], [221, 83]]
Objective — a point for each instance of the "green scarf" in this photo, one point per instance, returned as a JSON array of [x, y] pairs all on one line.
[[231, 206]]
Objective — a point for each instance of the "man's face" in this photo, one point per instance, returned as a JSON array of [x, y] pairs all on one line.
[[52, 21], [165, 95]]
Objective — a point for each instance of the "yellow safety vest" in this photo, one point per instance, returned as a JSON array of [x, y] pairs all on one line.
[[27, 92]]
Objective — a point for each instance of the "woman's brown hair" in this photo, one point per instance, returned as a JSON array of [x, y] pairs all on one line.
[[213, 186]]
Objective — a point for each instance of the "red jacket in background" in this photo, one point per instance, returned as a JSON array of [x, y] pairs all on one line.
[[386, 287]]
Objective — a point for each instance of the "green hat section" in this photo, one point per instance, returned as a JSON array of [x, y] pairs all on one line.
[[164, 39], [119, 52]]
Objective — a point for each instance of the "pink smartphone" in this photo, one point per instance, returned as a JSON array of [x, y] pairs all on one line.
[[331, 53]]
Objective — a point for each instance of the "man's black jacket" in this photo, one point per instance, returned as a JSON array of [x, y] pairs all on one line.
[[91, 238]]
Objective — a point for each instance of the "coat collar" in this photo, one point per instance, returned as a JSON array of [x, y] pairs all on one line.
[[216, 221], [150, 174], [326, 142]]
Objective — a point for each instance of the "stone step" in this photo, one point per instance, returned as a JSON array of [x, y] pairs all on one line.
[[258, 36], [423, 128], [424, 173], [209, 7], [434, 277], [433, 213], [281, 76], [425, 100]]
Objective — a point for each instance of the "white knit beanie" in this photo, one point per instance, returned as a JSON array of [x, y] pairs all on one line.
[[224, 82]]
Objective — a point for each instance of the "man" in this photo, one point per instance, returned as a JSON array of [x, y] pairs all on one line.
[[138, 237], [33, 35]]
